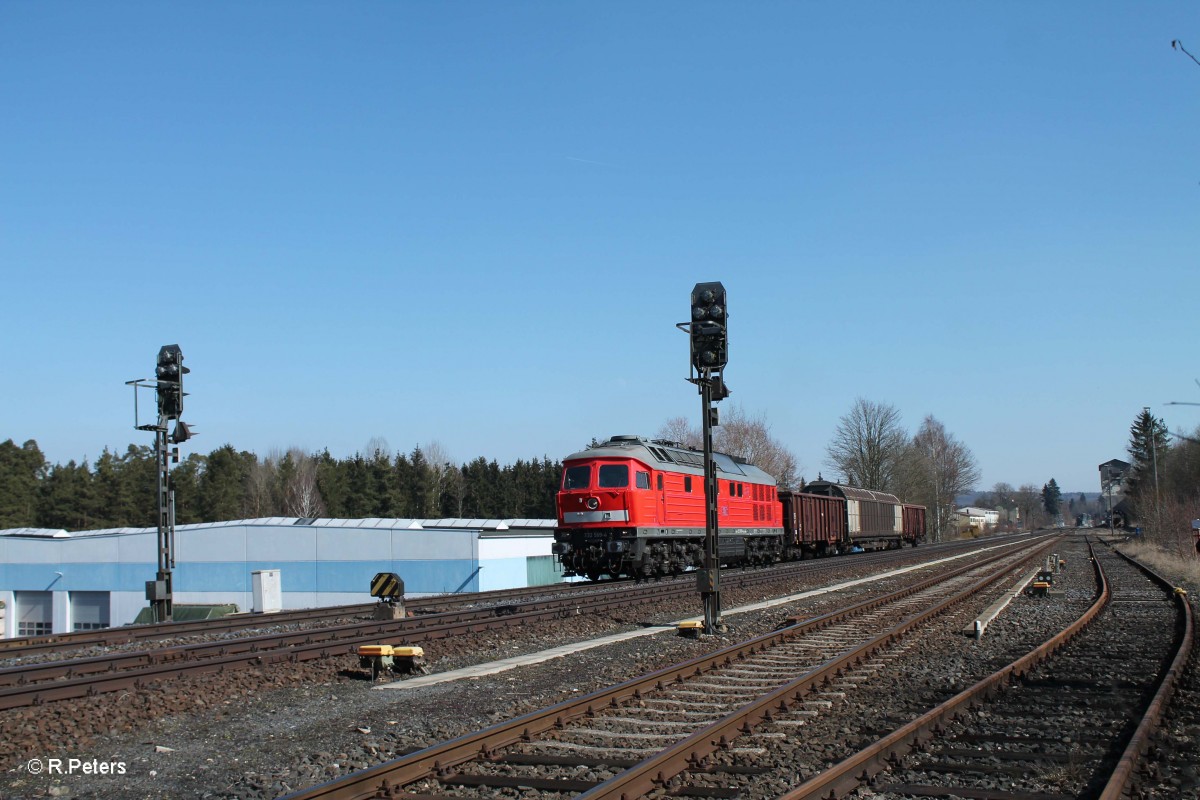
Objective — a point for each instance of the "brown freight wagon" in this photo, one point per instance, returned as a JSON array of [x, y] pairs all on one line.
[[874, 520], [813, 525], [914, 524]]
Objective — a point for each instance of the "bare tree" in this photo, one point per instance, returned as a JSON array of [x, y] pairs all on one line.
[[936, 469], [301, 495], [868, 446], [377, 445], [678, 429], [1003, 499], [260, 490], [439, 472], [743, 436], [750, 438], [1029, 504]]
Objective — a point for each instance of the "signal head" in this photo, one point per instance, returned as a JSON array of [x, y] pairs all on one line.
[[709, 332], [170, 372]]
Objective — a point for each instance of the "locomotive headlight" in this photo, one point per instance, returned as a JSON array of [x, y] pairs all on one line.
[[593, 503]]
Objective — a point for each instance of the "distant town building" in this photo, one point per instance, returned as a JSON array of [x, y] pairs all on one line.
[[1113, 476], [976, 520]]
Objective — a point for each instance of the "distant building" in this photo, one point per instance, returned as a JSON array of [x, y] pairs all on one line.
[[1113, 476], [52, 581], [976, 520]]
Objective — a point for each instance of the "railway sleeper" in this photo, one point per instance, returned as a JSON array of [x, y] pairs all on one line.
[[1012, 755], [969, 793], [546, 760], [519, 782]]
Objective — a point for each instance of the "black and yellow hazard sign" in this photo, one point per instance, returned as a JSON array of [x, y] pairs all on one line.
[[387, 585]]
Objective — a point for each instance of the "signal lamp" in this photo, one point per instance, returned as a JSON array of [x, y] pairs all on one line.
[[709, 328], [170, 372]]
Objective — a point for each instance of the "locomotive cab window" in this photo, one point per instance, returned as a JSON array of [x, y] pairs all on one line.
[[577, 477], [660, 482], [613, 476], [643, 480], [687, 483]]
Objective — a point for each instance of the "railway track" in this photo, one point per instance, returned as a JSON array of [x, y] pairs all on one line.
[[32, 684], [105, 638], [631, 739], [1067, 720], [109, 637]]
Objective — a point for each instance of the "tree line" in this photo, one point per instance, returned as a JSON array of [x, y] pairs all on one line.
[[1037, 508], [119, 490], [871, 449], [1162, 487]]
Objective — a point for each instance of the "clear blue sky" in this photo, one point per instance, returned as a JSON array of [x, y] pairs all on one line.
[[477, 223]]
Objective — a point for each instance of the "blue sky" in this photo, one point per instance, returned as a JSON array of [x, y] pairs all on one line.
[[477, 223]]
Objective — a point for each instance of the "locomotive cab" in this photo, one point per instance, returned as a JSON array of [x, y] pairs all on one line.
[[600, 503]]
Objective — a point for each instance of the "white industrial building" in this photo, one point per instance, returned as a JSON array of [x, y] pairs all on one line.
[[54, 581], [977, 519]]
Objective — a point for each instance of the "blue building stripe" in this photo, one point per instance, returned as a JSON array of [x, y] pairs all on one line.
[[423, 577]]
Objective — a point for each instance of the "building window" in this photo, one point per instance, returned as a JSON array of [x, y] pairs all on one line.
[[89, 626], [34, 628]]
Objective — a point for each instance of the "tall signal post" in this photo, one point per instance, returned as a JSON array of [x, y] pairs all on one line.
[[169, 394], [709, 334]]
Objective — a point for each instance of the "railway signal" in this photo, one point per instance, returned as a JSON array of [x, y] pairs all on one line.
[[709, 331], [709, 334], [170, 372], [168, 391]]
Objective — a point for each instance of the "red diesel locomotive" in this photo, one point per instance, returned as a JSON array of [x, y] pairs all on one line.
[[635, 507]]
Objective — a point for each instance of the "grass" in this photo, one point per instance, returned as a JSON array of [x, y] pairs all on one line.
[[1182, 569]]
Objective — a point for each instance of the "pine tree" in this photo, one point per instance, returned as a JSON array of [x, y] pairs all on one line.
[[21, 471], [1148, 447], [1051, 496]]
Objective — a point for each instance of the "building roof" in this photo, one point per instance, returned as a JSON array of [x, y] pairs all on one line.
[[484, 526], [975, 511]]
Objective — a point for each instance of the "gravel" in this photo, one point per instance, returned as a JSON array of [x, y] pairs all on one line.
[[261, 733]]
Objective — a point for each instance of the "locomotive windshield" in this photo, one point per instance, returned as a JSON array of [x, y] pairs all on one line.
[[614, 476], [577, 477]]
